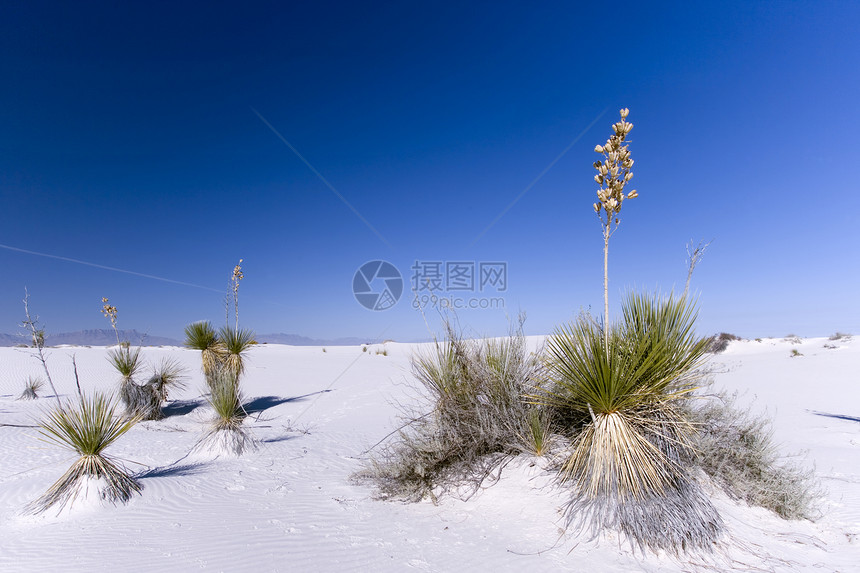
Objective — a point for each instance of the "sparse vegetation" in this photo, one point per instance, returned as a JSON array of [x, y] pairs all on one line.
[[31, 388], [735, 448], [795, 352], [87, 429], [37, 335], [720, 342], [475, 419], [226, 433], [839, 336]]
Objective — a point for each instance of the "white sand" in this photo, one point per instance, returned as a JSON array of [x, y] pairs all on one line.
[[290, 505]]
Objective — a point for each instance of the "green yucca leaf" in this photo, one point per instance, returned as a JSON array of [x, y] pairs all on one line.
[[87, 428], [201, 336], [125, 360]]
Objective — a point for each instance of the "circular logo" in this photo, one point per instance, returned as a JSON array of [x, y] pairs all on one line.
[[377, 285]]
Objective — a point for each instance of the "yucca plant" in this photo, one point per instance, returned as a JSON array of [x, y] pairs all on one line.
[[235, 343], [202, 336], [87, 429], [166, 377], [537, 438], [227, 433], [31, 388], [632, 443], [136, 399]]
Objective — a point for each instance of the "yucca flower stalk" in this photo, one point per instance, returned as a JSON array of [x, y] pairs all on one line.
[[613, 175], [87, 429]]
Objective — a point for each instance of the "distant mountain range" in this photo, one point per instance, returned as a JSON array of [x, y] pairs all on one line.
[[107, 337]]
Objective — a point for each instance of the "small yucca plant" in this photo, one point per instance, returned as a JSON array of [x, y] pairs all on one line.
[[31, 388], [227, 433], [126, 361], [166, 377], [202, 336], [235, 343], [536, 437], [87, 429]]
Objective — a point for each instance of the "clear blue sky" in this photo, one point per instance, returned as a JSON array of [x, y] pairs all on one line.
[[129, 139]]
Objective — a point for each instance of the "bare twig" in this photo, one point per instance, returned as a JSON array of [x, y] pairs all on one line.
[[38, 336]]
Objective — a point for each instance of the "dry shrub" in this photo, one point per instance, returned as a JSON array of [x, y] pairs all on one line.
[[476, 418], [719, 342], [735, 448]]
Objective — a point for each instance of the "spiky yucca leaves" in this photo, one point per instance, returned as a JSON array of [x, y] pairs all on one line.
[[235, 344], [632, 442], [31, 388], [126, 361], [227, 433], [87, 429], [202, 336], [166, 377]]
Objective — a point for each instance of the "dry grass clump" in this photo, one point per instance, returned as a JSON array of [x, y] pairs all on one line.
[[87, 429], [735, 448], [719, 342], [31, 388], [629, 468], [477, 418]]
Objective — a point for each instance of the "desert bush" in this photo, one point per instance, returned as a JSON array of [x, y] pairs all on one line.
[[839, 336], [87, 429], [476, 418], [632, 442], [31, 388], [719, 342], [735, 447]]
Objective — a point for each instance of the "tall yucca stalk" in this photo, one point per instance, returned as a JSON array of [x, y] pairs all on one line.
[[613, 174], [87, 429], [202, 336]]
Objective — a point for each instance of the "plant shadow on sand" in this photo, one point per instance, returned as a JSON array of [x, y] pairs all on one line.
[[263, 403], [167, 471], [837, 416], [180, 407]]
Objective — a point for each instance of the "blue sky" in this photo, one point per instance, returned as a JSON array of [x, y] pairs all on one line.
[[150, 137]]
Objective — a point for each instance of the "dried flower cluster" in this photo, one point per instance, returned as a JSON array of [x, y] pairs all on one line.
[[109, 311], [613, 173]]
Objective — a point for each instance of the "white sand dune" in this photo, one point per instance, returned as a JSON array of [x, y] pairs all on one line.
[[291, 506]]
